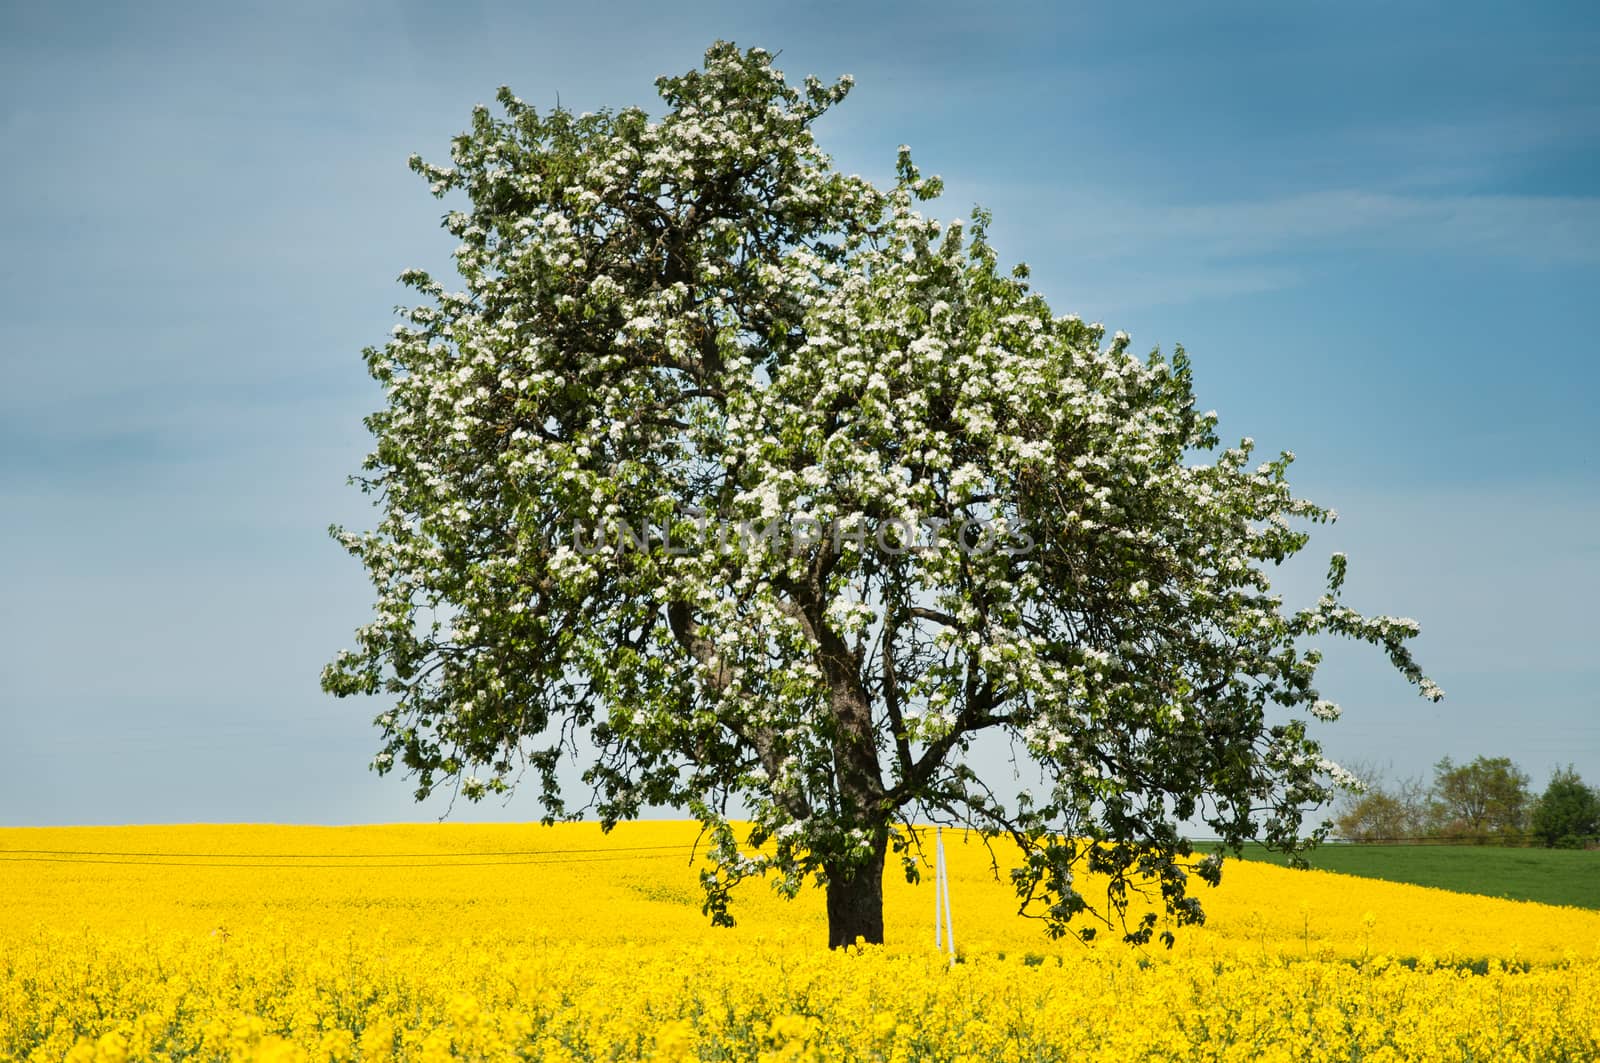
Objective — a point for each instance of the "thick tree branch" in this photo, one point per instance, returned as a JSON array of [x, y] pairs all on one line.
[[763, 740]]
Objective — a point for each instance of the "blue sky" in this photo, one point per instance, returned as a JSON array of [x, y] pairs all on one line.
[[1371, 225]]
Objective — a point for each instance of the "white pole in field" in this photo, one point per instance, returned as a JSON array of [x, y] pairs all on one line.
[[942, 898]]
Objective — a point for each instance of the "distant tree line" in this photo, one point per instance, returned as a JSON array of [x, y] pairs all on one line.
[[1486, 802]]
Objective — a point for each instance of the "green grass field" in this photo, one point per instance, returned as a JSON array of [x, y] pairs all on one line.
[[1550, 876]]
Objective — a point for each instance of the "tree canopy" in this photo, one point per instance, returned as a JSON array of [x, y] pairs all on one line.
[[1379, 813], [766, 495], [1485, 798], [1567, 814]]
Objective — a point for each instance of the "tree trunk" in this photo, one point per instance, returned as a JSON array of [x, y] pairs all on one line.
[[855, 899], [855, 886]]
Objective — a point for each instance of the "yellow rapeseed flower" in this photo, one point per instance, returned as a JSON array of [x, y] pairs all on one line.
[[457, 942]]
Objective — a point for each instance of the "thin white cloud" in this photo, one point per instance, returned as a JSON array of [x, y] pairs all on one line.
[[1115, 253], [1543, 230]]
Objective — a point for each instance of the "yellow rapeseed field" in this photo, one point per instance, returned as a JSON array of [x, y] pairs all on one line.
[[504, 942]]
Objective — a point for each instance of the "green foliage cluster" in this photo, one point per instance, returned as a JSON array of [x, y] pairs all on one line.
[[1486, 801], [1567, 813]]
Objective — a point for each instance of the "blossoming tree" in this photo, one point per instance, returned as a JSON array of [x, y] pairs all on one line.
[[972, 517]]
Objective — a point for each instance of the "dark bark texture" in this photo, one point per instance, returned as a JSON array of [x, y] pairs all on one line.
[[855, 900]]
